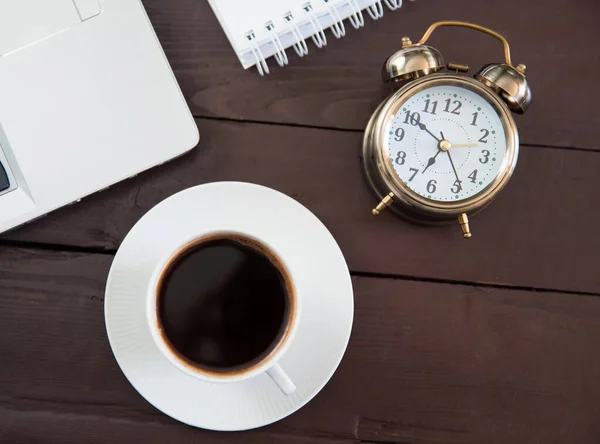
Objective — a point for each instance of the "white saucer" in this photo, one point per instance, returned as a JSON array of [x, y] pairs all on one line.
[[323, 331]]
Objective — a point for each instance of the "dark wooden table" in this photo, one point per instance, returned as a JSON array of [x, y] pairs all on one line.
[[493, 340]]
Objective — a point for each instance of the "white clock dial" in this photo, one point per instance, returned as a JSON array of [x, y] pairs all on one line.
[[446, 143]]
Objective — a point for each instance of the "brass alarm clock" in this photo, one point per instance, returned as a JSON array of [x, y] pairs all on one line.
[[444, 144]]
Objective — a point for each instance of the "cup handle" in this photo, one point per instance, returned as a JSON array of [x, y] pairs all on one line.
[[282, 380]]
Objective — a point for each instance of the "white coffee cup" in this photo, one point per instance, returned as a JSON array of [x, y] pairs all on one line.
[[269, 363]]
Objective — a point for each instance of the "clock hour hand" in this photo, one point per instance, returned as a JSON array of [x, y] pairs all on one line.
[[431, 161]]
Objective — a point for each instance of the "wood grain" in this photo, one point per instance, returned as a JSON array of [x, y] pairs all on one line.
[[427, 363], [74, 428], [445, 351], [541, 232], [340, 86]]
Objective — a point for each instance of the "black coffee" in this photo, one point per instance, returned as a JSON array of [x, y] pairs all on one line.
[[224, 303]]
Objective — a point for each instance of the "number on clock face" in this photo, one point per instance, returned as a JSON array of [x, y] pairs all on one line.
[[447, 143]]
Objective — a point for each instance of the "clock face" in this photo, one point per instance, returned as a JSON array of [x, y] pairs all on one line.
[[446, 143]]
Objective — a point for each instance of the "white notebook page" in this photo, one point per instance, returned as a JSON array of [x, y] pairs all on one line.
[[239, 18]]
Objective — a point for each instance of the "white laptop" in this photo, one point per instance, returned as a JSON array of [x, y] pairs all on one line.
[[87, 98]]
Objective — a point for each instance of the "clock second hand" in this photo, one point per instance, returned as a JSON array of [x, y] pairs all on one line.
[[455, 173], [451, 163]]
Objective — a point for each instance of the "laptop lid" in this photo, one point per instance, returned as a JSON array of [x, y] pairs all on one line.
[[84, 107]]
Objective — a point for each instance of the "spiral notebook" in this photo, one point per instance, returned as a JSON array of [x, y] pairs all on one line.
[[261, 29]]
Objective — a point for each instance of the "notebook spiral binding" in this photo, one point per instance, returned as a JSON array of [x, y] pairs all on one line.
[[318, 36]]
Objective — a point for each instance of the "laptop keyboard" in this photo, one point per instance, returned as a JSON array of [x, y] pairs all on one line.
[[4, 182]]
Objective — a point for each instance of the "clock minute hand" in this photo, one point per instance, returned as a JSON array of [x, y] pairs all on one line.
[[424, 128]]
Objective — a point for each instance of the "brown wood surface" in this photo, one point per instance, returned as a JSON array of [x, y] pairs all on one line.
[[494, 340], [340, 85], [541, 231], [446, 364]]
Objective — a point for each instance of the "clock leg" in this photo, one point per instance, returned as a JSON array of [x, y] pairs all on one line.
[[463, 220], [383, 204]]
